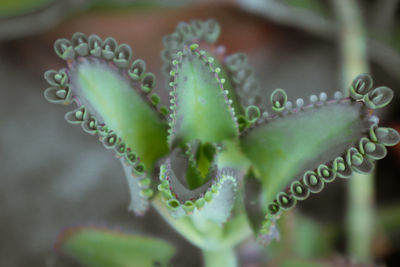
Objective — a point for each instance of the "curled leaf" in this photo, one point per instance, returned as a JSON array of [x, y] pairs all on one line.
[[379, 97], [95, 45], [148, 82], [386, 136], [285, 201], [361, 86], [123, 56], [278, 99], [137, 69], [236, 61], [213, 201], [299, 190], [80, 43], [109, 47], [358, 162], [326, 174], [64, 49], [56, 78], [341, 168], [252, 114], [58, 95], [212, 30], [76, 116], [372, 150]]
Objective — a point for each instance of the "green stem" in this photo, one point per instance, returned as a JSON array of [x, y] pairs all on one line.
[[360, 216], [353, 42], [183, 225], [360, 213], [225, 257], [203, 233]]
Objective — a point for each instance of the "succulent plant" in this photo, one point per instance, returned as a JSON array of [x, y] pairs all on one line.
[[215, 160]]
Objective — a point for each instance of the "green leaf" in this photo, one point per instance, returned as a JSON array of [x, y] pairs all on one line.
[[100, 247], [284, 148], [122, 109], [239, 81], [213, 200], [110, 92], [115, 102], [201, 108], [297, 152], [201, 161], [185, 34]]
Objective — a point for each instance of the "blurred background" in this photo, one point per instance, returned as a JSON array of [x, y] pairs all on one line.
[[54, 175]]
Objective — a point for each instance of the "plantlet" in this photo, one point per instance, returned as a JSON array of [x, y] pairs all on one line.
[[215, 161]]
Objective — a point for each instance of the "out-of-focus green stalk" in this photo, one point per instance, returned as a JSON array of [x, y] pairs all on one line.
[[205, 234], [360, 213], [353, 42], [360, 216], [215, 253], [225, 257]]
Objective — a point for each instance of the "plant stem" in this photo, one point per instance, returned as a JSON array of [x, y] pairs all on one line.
[[226, 258], [353, 42], [360, 213], [360, 216], [206, 234], [183, 226]]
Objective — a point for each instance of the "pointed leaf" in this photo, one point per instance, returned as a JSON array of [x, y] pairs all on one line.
[[121, 108], [109, 95], [282, 149], [236, 74], [185, 34], [201, 109], [302, 149], [113, 102]]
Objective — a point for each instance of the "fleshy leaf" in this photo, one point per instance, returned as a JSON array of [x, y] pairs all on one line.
[[361, 85], [379, 97], [281, 148], [302, 149], [98, 247], [200, 105], [214, 200], [111, 96], [235, 73], [385, 136], [112, 103], [278, 99], [122, 109]]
